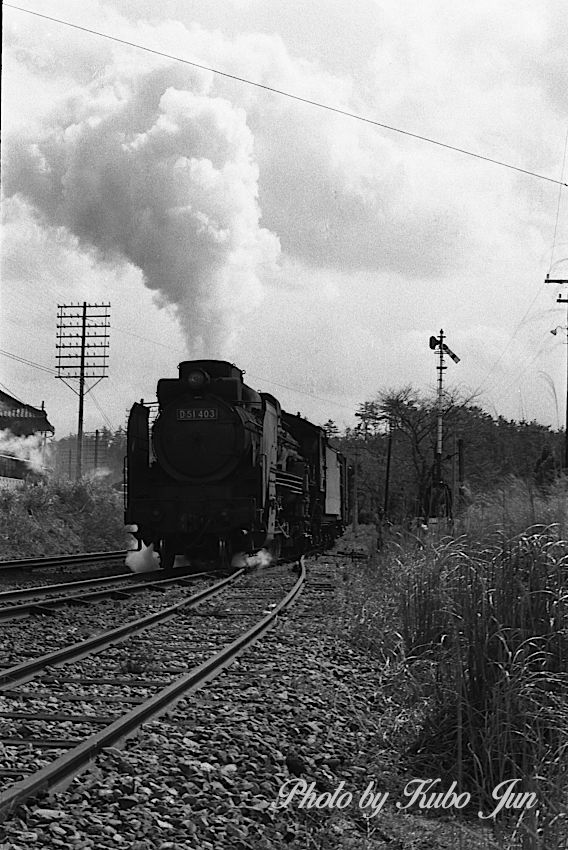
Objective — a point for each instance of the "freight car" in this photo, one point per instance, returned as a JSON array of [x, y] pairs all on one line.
[[224, 470]]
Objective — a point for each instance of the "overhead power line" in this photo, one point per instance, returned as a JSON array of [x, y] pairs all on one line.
[[51, 372], [155, 342], [249, 374], [99, 407], [12, 393], [538, 292], [559, 200], [290, 95], [27, 362]]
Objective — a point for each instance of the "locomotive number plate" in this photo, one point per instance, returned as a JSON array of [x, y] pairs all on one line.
[[192, 414]]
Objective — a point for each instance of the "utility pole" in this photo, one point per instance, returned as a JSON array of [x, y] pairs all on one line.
[[355, 515], [461, 472], [96, 460], [387, 472], [79, 357], [561, 300]]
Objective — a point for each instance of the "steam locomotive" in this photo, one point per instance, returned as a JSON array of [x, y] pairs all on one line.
[[224, 470]]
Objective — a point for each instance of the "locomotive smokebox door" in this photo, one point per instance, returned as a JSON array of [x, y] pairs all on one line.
[[199, 439]]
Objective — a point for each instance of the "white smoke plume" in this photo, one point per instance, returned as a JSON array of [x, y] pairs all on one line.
[[149, 169], [29, 449]]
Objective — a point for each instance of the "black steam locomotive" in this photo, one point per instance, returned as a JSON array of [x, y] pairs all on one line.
[[224, 470]]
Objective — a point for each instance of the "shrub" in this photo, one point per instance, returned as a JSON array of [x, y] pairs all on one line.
[[58, 517]]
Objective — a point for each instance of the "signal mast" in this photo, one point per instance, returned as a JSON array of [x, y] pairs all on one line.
[[437, 496]]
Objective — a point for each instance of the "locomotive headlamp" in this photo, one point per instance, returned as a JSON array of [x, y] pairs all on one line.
[[197, 378]]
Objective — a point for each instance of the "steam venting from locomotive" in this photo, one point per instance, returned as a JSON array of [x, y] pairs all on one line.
[[143, 560], [226, 476], [154, 171], [30, 449], [258, 560]]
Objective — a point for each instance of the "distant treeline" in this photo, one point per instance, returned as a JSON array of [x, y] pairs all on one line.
[[102, 456], [492, 449], [479, 450]]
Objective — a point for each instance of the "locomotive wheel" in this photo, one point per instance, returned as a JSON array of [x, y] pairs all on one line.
[[167, 555], [275, 547]]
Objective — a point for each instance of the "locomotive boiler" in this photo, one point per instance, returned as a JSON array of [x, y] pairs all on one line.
[[223, 470]]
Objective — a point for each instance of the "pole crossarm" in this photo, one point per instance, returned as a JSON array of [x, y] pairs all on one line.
[[82, 363]]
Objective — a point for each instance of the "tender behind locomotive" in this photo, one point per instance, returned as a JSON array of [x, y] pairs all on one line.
[[227, 471]]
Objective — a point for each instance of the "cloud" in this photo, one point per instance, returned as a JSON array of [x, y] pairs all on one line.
[[224, 194], [142, 171], [198, 182], [338, 193]]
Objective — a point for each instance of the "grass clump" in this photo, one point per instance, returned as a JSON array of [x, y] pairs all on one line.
[[515, 506], [495, 625], [473, 635]]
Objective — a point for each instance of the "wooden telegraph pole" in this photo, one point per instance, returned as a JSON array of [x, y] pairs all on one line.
[[82, 354], [355, 513]]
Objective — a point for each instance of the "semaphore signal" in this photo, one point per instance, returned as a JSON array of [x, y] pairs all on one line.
[[438, 342], [561, 300]]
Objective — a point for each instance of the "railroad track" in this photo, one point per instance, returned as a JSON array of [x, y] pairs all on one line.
[[82, 558], [43, 599], [160, 658]]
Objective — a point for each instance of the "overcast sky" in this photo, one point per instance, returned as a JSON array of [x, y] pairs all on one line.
[[315, 251]]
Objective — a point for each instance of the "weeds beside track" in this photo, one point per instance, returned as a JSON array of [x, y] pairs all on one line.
[[472, 633]]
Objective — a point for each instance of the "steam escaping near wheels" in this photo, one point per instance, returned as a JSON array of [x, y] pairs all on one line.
[[260, 559], [144, 560], [230, 472]]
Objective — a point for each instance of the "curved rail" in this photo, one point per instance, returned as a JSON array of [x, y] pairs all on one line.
[[26, 670], [61, 770]]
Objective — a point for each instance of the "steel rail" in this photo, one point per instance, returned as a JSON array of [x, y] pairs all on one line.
[[63, 769], [23, 672], [61, 560], [46, 589], [49, 604], [40, 598]]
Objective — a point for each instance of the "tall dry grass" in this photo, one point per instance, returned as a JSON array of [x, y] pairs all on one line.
[[479, 622], [494, 622], [514, 506]]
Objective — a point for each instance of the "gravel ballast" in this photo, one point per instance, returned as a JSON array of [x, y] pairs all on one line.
[[300, 705]]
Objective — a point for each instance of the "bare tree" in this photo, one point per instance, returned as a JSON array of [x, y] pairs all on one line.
[[414, 417]]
